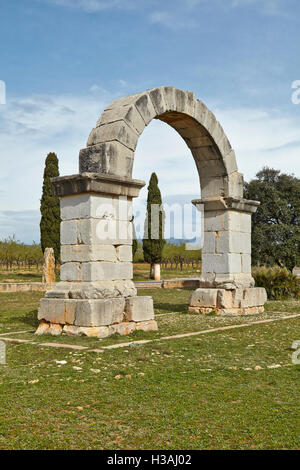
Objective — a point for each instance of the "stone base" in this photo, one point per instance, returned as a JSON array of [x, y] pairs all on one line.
[[241, 301], [124, 328], [96, 317]]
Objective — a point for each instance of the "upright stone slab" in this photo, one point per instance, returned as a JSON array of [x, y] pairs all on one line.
[[48, 275], [96, 295]]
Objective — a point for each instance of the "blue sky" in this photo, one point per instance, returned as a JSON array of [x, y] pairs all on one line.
[[64, 60]]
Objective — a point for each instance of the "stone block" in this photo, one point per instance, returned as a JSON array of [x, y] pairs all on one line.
[[122, 329], [214, 221], [210, 122], [90, 332], [246, 263], [71, 272], [139, 309], [233, 242], [104, 232], [169, 95], [107, 157], [75, 207], [124, 253], [234, 185], [126, 113], [230, 162], [68, 232], [254, 297], [221, 263], [54, 329], [119, 131], [83, 253], [42, 328], [145, 107], [57, 310], [200, 111], [101, 271], [158, 99], [225, 298], [204, 298], [209, 243], [150, 325], [238, 221], [100, 312]]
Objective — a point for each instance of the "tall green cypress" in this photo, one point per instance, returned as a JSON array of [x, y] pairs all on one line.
[[153, 242], [134, 241], [50, 209]]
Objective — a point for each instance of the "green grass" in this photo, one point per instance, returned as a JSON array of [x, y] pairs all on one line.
[[214, 391]]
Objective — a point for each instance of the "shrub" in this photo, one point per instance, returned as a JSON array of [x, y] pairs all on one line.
[[279, 283]]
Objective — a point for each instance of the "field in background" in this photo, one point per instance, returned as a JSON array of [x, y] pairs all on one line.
[[141, 273]]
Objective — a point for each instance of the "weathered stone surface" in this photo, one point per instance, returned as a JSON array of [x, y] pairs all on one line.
[[225, 298], [54, 329], [48, 275], [204, 298], [82, 253], [100, 312], [150, 325], [221, 263], [90, 332], [124, 253], [57, 310], [254, 297], [127, 113], [42, 328], [233, 242], [228, 302], [96, 183], [122, 329], [98, 271], [139, 309], [104, 232], [108, 157], [92, 290], [119, 131]]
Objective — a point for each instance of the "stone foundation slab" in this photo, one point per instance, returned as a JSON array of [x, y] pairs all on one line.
[[96, 317], [228, 302]]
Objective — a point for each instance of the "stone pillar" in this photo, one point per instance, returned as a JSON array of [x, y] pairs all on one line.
[[226, 283], [48, 275], [96, 295]]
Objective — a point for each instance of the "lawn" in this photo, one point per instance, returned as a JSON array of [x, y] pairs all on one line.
[[233, 389]]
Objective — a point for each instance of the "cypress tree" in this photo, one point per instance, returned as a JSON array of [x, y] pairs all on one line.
[[50, 209], [153, 241], [134, 241]]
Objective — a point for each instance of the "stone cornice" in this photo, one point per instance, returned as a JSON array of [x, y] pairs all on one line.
[[96, 183], [228, 203]]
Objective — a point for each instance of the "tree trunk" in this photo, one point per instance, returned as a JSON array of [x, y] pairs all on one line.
[[151, 271], [156, 272]]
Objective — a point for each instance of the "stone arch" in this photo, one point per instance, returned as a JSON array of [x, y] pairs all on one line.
[[112, 143], [96, 295]]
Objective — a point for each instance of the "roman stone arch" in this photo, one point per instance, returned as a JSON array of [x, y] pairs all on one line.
[[112, 143], [96, 295]]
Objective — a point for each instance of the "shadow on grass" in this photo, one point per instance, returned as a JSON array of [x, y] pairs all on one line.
[[169, 308], [30, 276], [29, 318]]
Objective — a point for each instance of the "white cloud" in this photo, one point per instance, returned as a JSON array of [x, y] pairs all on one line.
[[89, 5]]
